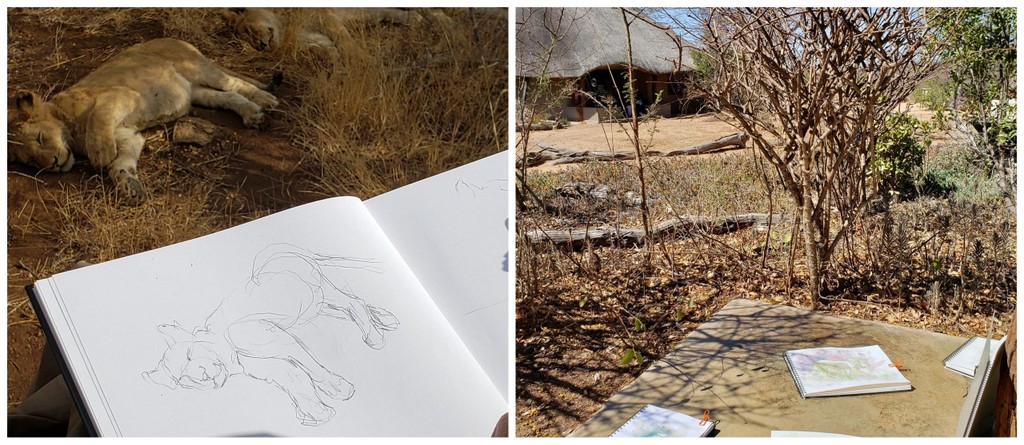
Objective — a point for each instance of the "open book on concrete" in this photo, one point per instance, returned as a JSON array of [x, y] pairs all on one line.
[[977, 416], [336, 318], [825, 371], [964, 360], [655, 421]]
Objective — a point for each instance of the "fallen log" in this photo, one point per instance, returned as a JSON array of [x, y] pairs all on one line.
[[561, 155], [725, 143], [543, 125], [577, 239]]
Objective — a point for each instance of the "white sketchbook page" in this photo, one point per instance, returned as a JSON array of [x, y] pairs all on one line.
[[452, 230], [830, 369], [420, 381]]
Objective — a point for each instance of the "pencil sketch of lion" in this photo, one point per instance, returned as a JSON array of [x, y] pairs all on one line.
[[101, 116], [249, 332]]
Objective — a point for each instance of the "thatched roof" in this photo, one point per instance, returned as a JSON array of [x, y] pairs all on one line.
[[590, 38]]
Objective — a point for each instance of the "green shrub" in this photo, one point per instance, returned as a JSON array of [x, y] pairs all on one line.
[[899, 154], [957, 172], [934, 94]]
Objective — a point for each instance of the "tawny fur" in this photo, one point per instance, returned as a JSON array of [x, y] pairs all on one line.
[[328, 34], [102, 115]]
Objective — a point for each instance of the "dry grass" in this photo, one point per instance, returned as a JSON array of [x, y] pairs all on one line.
[[436, 100]]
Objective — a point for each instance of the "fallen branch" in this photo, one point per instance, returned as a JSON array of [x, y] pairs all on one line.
[[733, 141], [677, 227], [543, 125], [560, 155]]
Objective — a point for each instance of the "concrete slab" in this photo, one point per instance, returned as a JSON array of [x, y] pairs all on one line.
[[733, 365]]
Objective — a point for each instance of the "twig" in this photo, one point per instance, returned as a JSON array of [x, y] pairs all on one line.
[[61, 63], [35, 322], [833, 300], [27, 176]]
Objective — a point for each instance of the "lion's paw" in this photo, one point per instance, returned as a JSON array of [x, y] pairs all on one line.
[[264, 99], [133, 191], [336, 387], [313, 413], [254, 120]]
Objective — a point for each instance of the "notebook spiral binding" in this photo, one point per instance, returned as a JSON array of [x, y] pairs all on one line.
[[796, 376], [961, 348], [631, 419]]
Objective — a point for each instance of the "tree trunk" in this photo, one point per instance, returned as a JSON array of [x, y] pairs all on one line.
[[810, 230]]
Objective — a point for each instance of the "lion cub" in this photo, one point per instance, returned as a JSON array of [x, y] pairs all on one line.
[[327, 33], [102, 115]]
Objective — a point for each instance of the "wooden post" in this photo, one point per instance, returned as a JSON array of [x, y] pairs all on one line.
[[1006, 392]]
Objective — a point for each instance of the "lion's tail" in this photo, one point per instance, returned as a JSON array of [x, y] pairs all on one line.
[[283, 257], [275, 82]]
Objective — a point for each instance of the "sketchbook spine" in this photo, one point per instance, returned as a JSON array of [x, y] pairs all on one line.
[[957, 351], [633, 417], [58, 354], [977, 401], [796, 376]]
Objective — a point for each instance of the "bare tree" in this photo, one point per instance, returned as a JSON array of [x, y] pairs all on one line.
[[812, 88], [536, 94]]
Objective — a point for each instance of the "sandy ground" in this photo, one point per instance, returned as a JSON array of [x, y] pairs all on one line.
[[659, 135], [668, 134]]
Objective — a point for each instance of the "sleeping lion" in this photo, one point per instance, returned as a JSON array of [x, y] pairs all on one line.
[[326, 36], [326, 33], [102, 115]]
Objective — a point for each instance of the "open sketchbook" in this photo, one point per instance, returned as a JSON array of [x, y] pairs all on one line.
[[655, 421], [820, 372], [964, 360], [977, 416], [336, 318]]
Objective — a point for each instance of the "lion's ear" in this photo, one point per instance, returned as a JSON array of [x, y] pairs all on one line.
[[232, 14], [27, 101], [174, 334], [160, 377]]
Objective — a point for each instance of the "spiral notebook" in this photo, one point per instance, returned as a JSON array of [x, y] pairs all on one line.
[[654, 421], [965, 359], [821, 372]]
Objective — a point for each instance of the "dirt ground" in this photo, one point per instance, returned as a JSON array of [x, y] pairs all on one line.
[[263, 176], [670, 133], [657, 135]]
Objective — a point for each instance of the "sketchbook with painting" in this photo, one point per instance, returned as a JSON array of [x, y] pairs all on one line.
[[655, 421], [342, 317], [827, 371]]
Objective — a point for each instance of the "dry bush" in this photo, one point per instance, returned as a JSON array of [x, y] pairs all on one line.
[[709, 186], [935, 255]]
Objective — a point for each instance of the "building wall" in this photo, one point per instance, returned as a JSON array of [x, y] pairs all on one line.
[[559, 100]]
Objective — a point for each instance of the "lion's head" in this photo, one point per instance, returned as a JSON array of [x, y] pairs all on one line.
[[189, 362], [41, 139], [259, 28]]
